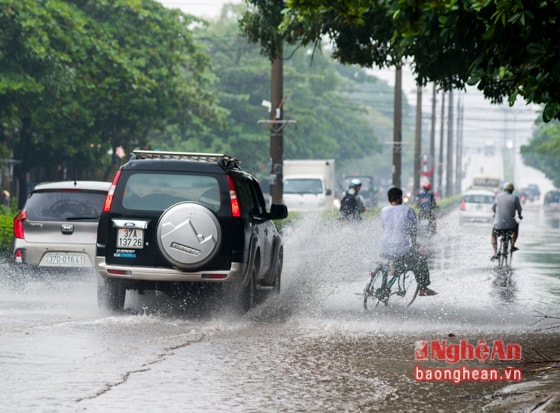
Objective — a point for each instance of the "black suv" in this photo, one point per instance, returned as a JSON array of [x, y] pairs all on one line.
[[175, 220]]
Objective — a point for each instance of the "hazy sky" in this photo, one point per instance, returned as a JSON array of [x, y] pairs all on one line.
[[200, 8]]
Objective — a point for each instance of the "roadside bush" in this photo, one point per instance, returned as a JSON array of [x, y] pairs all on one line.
[[7, 216], [445, 205]]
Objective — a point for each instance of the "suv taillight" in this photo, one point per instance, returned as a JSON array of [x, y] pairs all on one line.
[[18, 224], [463, 205], [109, 198], [235, 212]]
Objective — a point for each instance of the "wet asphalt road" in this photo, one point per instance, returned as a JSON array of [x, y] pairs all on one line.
[[313, 348]]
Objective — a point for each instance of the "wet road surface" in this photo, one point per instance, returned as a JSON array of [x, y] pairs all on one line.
[[311, 349]]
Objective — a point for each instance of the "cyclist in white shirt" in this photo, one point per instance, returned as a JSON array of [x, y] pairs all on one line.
[[398, 241]]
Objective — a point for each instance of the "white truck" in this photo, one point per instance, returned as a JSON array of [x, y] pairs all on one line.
[[309, 184]]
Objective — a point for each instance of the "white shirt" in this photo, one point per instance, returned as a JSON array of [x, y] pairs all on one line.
[[398, 222]]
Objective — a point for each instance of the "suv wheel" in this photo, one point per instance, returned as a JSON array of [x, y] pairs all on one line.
[[188, 235], [111, 294], [278, 272], [247, 294]]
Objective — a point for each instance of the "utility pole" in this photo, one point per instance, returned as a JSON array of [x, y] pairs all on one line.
[[417, 142], [433, 130], [449, 167], [272, 13], [459, 148], [276, 128], [440, 158], [276, 125], [397, 126]]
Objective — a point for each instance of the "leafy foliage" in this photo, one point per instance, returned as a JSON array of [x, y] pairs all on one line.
[[81, 78], [330, 124], [543, 151], [508, 48], [7, 215], [84, 77]]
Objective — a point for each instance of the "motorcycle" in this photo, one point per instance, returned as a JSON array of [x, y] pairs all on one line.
[[426, 224]]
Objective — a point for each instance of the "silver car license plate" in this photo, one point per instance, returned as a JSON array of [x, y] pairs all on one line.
[[130, 238], [66, 259]]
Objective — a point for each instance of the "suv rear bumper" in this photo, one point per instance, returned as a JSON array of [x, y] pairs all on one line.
[[235, 273]]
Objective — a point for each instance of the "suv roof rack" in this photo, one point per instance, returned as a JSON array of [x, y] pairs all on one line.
[[224, 159]]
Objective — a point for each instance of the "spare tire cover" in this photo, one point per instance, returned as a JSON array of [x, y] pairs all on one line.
[[188, 234]]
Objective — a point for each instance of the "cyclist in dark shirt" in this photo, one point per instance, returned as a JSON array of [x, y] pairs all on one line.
[[505, 206]]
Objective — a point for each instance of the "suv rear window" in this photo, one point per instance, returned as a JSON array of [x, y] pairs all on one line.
[[64, 205], [158, 191]]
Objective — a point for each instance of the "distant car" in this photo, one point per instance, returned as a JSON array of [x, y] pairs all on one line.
[[524, 195], [408, 199], [476, 206], [533, 191], [552, 199], [57, 227]]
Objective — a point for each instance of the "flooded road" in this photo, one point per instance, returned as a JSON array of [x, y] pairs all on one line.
[[311, 349]]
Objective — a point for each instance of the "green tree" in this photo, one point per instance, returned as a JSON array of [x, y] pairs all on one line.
[[329, 123], [543, 151], [79, 78], [505, 47], [173, 83], [34, 63]]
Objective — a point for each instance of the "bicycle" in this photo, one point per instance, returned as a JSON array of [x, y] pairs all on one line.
[[382, 280], [505, 252]]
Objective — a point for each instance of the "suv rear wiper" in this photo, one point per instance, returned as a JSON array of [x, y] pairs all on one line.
[[82, 218]]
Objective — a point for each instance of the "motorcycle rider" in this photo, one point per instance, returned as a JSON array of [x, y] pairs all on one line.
[[426, 203], [352, 203]]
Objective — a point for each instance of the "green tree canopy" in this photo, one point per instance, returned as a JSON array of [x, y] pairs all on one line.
[[329, 123], [543, 151], [508, 48], [78, 78]]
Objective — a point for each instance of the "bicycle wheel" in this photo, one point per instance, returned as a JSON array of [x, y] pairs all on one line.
[[507, 255], [501, 256], [504, 254], [374, 293], [408, 288], [500, 261]]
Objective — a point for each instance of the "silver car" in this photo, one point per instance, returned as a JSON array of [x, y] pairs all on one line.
[[476, 206], [57, 227]]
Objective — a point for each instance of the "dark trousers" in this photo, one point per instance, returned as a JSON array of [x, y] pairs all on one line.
[[418, 264]]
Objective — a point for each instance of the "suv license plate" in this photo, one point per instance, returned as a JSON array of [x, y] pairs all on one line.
[[130, 238], [65, 259]]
